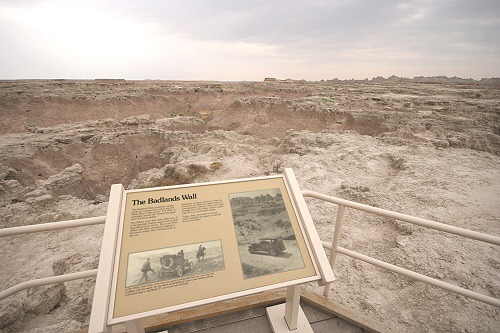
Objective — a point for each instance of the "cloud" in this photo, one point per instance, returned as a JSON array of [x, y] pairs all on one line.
[[220, 38]]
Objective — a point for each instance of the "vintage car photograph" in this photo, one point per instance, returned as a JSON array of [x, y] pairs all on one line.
[[266, 239], [174, 265], [273, 246], [174, 262]]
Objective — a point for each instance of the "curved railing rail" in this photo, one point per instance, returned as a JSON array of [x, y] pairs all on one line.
[[335, 248], [28, 229], [45, 281], [49, 227]]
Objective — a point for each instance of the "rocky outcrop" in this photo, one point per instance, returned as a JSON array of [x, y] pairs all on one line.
[[381, 107]]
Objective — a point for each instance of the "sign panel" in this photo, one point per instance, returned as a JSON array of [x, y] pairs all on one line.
[[189, 245]]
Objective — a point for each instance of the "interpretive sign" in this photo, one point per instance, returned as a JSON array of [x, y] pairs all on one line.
[[189, 245]]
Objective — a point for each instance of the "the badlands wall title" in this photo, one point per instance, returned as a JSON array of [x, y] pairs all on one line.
[[163, 199]]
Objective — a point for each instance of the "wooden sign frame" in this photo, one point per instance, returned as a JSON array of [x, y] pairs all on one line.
[[169, 225]]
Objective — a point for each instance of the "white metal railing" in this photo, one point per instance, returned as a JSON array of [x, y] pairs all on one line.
[[49, 227], [335, 248], [28, 229], [48, 280]]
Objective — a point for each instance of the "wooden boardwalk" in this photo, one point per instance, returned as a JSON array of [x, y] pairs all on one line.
[[248, 314], [255, 320]]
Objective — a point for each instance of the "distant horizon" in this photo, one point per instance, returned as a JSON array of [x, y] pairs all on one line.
[[262, 80], [224, 40]]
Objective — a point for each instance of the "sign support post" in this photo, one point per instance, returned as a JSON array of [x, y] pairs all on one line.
[[289, 317], [292, 305], [135, 326]]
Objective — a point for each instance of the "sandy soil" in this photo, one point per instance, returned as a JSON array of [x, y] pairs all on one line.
[[429, 150]]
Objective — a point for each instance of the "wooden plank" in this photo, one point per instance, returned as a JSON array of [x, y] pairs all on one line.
[[315, 315], [354, 317], [336, 325], [230, 318], [258, 324]]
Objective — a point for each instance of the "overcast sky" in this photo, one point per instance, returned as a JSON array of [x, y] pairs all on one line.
[[248, 40]]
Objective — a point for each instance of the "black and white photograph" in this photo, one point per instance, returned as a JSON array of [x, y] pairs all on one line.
[[266, 239], [174, 262]]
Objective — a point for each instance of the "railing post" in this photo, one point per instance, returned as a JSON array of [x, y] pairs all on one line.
[[335, 244]]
